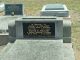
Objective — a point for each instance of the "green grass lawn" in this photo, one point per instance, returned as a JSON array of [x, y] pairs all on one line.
[[33, 7]]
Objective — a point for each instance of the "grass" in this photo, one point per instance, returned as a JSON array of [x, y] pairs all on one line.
[[33, 7]]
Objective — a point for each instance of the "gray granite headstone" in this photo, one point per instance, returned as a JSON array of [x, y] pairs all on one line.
[[39, 27], [54, 7], [59, 10]]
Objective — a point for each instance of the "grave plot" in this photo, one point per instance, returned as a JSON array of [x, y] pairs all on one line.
[[39, 45]]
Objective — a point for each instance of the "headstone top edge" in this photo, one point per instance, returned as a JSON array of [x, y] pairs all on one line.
[[55, 7], [40, 17]]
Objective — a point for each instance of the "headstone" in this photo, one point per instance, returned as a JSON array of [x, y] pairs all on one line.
[[21, 28], [54, 7], [66, 29], [13, 9], [39, 27], [59, 10]]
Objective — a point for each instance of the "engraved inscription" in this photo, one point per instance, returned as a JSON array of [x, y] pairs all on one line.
[[39, 30]]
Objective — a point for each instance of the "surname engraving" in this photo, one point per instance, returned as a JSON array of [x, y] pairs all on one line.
[[39, 30]]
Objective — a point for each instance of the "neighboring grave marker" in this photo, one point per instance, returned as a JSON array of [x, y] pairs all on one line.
[[13, 9], [54, 7], [59, 10]]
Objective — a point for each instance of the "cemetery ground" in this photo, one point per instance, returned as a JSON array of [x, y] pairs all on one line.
[[33, 7]]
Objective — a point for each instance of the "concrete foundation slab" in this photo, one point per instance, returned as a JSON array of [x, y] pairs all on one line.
[[35, 50]]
